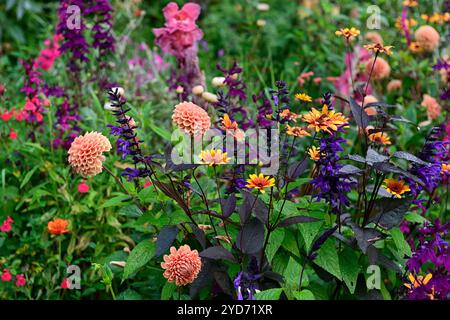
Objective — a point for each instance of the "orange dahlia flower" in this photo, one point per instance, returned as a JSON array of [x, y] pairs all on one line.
[[58, 226], [191, 118], [181, 266], [86, 153]]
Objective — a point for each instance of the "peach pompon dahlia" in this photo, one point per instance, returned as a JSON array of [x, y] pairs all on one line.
[[85, 153], [181, 266], [191, 118]]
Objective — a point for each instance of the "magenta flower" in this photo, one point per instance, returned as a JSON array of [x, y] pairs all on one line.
[[180, 32]]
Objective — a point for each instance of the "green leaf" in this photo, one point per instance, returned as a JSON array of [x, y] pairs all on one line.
[[400, 242], [131, 211], [304, 295], [119, 200], [163, 133], [291, 277], [275, 240], [414, 217], [310, 230], [28, 177], [328, 259], [140, 255], [270, 294], [129, 294], [348, 262], [168, 290]]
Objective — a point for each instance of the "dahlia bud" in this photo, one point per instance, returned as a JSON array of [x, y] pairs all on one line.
[[218, 82], [179, 90], [263, 7], [198, 90], [210, 97]]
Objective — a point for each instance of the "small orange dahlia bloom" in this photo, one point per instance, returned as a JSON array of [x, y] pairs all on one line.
[[396, 187], [427, 37], [181, 266], [232, 127], [380, 137], [191, 118], [58, 226], [213, 157], [260, 182], [434, 109], [381, 69], [86, 153]]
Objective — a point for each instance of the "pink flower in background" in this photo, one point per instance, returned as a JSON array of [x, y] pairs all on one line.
[[64, 284], [20, 280], [303, 77], [180, 32], [12, 134], [48, 55], [7, 225], [433, 108], [83, 187], [6, 276]]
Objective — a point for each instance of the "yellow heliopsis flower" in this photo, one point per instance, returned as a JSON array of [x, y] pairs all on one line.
[[445, 169], [415, 47], [410, 3], [314, 153], [260, 182], [213, 157], [303, 97], [417, 282], [396, 187], [325, 120], [379, 48], [348, 32], [380, 137], [297, 131]]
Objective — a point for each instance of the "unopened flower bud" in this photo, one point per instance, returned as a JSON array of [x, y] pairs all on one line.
[[261, 23], [179, 90], [198, 90], [210, 97], [119, 91], [109, 106], [234, 76], [263, 7], [218, 81]]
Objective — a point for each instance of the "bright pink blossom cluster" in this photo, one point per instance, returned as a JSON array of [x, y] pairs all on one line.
[[48, 55], [7, 224], [7, 277]]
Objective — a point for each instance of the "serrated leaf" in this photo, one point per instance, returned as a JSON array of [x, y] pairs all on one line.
[[348, 262], [304, 295], [139, 256], [328, 259], [291, 277], [269, 294], [131, 211], [275, 241], [168, 290], [400, 242]]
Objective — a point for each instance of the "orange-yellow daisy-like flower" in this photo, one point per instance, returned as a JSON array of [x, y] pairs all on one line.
[[287, 114], [417, 282], [58, 226], [396, 187], [213, 157], [297, 131], [191, 118], [415, 47], [380, 137], [379, 48], [314, 153], [181, 266], [86, 153], [232, 127], [410, 3], [303, 97], [325, 120], [348, 32], [445, 169], [260, 182]]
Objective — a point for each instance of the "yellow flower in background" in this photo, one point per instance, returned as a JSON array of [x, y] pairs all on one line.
[[348, 32], [445, 168], [325, 120], [379, 48], [260, 182], [418, 281], [380, 137], [297, 131], [314, 153], [410, 3], [303, 97], [213, 157], [415, 47], [396, 187]]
